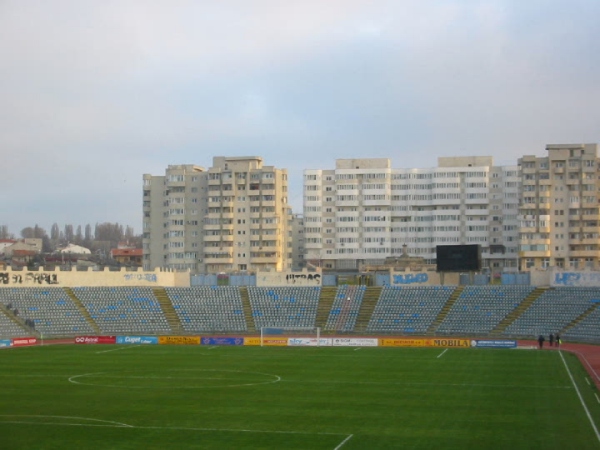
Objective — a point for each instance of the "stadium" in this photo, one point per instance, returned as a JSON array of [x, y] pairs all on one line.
[[287, 360]]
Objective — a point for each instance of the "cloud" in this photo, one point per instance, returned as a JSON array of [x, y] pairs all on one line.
[[94, 94]]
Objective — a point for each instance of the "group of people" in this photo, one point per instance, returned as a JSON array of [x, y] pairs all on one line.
[[552, 340]]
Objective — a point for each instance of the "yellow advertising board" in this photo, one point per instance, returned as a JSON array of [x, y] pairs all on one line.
[[275, 341], [179, 340], [424, 342], [252, 341]]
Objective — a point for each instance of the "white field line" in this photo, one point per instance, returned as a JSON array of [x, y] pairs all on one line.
[[117, 349], [598, 399], [359, 348], [343, 442], [408, 383], [440, 355], [587, 381], [587, 412], [109, 424]]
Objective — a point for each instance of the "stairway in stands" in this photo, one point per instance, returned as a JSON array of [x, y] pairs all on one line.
[[19, 321], [82, 309], [247, 309], [168, 310], [326, 299], [445, 310], [516, 313], [367, 307], [579, 318]]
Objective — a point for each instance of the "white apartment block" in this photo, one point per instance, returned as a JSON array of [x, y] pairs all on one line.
[[364, 211], [560, 213], [231, 217]]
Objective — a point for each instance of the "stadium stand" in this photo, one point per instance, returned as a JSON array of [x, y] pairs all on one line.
[[209, 308], [50, 309], [586, 330], [552, 311], [124, 310], [407, 309], [285, 307], [9, 328], [479, 309]]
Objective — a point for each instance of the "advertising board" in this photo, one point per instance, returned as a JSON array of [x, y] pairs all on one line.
[[95, 340], [5, 343], [251, 341], [408, 342], [309, 342], [479, 343], [355, 342], [137, 340], [211, 340], [277, 342], [179, 340], [19, 342]]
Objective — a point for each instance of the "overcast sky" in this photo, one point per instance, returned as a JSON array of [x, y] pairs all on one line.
[[93, 94]]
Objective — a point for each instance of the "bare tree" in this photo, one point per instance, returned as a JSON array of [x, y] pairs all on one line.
[[69, 233], [4, 233]]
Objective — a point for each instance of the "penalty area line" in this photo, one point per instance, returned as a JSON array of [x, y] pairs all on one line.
[[127, 426], [117, 349], [341, 444], [441, 354]]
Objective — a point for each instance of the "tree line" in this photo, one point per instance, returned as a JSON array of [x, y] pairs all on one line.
[[101, 238]]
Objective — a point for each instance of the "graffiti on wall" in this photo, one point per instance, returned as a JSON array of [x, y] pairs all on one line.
[[292, 278], [149, 277], [411, 278], [577, 279], [28, 278]]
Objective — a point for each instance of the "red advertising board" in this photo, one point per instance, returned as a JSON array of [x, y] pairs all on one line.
[[95, 340], [19, 342]]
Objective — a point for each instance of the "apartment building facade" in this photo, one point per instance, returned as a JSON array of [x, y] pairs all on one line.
[[559, 212], [364, 211], [231, 217]]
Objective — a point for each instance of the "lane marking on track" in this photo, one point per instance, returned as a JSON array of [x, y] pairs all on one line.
[[582, 355], [587, 412], [440, 355]]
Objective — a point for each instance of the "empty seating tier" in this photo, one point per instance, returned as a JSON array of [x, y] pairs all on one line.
[[124, 310], [285, 307], [51, 310], [408, 310], [209, 308], [479, 309]]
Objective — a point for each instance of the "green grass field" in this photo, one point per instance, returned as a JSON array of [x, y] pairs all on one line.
[[161, 397]]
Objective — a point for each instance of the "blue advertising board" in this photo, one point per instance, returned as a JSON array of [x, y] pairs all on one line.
[[137, 340], [494, 344], [5, 343], [222, 341]]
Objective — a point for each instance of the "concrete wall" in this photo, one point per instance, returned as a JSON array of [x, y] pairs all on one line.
[[74, 278], [574, 278], [423, 278], [303, 278]]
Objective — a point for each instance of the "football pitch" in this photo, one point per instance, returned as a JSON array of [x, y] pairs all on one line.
[[198, 397]]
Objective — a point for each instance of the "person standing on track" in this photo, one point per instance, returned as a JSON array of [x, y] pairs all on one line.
[[558, 341], [541, 340], [551, 339]]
